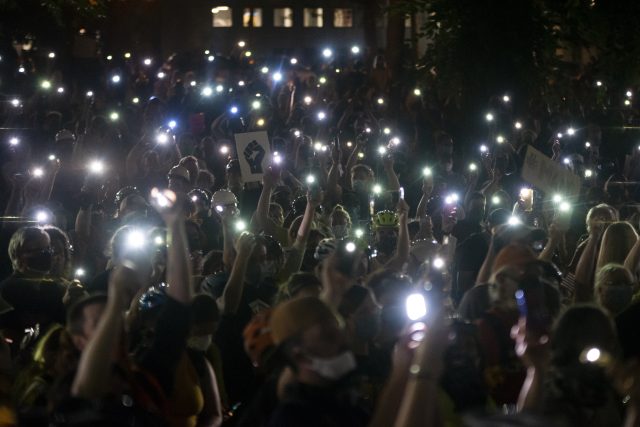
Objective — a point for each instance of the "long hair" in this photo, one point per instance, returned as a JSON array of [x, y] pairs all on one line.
[[616, 244]]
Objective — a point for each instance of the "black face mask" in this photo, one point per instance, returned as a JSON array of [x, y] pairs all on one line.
[[40, 261], [386, 245]]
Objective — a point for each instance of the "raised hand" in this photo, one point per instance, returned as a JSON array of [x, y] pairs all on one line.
[[254, 154]]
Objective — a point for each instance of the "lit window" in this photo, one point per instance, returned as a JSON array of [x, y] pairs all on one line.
[[222, 16], [313, 17], [252, 17], [283, 17], [343, 18]]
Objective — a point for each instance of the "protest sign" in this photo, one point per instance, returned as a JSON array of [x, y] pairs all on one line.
[[253, 154], [547, 175]]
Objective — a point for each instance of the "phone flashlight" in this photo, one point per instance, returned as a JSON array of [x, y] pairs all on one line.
[[96, 167], [417, 92], [37, 172], [114, 116], [224, 150], [489, 117], [327, 53], [161, 75], [322, 115], [219, 208], [277, 159], [172, 124], [377, 189], [500, 139], [293, 61], [277, 76], [255, 105], [355, 50], [401, 191], [207, 91], [219, 88], [473, 167], [484, 149], [241, 225], [162, 138], [260, 122], [517, 125], [571, 131], [380, 101], [115, 79], [506, 98], [80, 272], [42, 217], [386, 131], [382, 150], [438, 263], [135, 240], [233, 110], [350, 247], [359, 233], [264, 70], [416, 306], [395, 140], [514, 220], [14, 141], [52, 157], [588, 173], [307, 100], [297, 133], [15, 102], [310, 179]]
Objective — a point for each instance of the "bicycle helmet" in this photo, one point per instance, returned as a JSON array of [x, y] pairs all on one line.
[[385, 219]]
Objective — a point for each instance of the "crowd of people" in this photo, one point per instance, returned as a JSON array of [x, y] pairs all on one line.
[[380, 273]]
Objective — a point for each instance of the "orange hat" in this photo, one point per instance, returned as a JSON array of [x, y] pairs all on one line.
[[513, 255], [296, 316]]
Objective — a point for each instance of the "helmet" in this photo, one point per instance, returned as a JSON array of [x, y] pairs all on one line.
[[325, 248], [385, 219], [257, 338], [179, 171], [224, 198], [65, 135]]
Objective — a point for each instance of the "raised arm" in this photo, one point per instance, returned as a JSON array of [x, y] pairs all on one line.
[[586, 267], [269, 182], [401, 256], [93, 378], [393, 184], [230, 299]]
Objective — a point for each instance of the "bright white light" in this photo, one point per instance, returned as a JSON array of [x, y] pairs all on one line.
[[241, 225], [109, 57], [426, 172], [380, 101], [350, 247], [349, 144], [514, 220], [310, 179], [571, 131], [293, 61], [598, 83], [135, 100], [417, 92], [261, 122], [559, 135], [247, 54], [15, 102], [211, 58], [438, 263], [489, 117], [80, 272], [322, 115], [564, 207], [21, 70], [500, 139], [322, 80], [360, 155], [46, 84], [14, 141], [242, 43], [277, 159], [135, 239], [158, 240], [588, 173], [255, 105], [627, 102], [382, 150], [147, 61], [115, 78], [506, 98], [234, 110], [172, 124], [386, 131], [162, 138], [207, 91], [224, 149], [277, 76], [557, 198], [484, 148], [219, 88], [60, 89], [51, 55], [566, 161], [220, 208], [308, 100], [96, 166], [629, 94], [517, 125], [297, 133], [355, 50], [368, 130], [593, 355], [161, 75], [241, 83], [395, 140], [193, 83], [377, 189], [327, 53], [114, 116], [359, 233], [495, 200], [473, 167], [127, 55], [52, 157], [416, 307], [587, 144], [37, 172], [264, 70], [89, 94], [41, 216], [194, 198]]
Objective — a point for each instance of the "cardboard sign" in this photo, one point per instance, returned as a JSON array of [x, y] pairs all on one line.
[[254, 154], [547, 175]]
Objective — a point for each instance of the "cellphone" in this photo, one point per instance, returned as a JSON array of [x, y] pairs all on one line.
[[531, 304], [526, 195]]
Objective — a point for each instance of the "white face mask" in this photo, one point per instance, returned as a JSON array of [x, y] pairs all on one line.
[[201, 343], [334, 368]]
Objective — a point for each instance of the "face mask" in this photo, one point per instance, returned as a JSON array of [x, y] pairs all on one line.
[[367, 327], [201, 343], [340, 231], [334, 368], [359, 186], [268, 269], [386, 245], [40, 262]]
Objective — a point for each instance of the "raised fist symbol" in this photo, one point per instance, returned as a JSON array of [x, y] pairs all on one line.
[[254, 154]]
